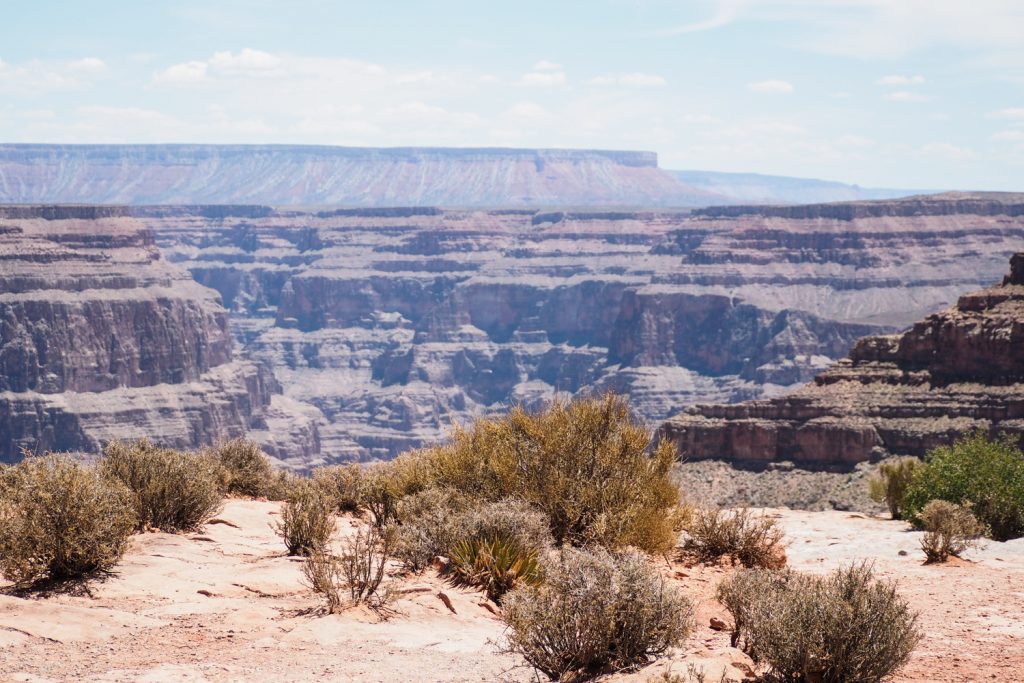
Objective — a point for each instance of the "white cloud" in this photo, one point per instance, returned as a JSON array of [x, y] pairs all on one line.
[[182, 74], [247, 62], [900, 80], [1011, 114], [543, 79], [1009, 136], [946, 151], [87, 65], [907, 96], [528, 110], [770, 87], [545, 65], [632, 80]]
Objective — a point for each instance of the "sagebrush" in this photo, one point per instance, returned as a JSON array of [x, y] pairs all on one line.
[[949, 529], [891, 482], [740, 535], [363, 561], [307, 521], [245, 469], [171, 490], [61, 520], [846, 627], [595, 612]]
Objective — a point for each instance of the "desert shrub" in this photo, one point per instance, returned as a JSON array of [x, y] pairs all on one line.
[[323, 574], [497, 564], [171, 490], [584, 464], [307, 521], [891, 482], [748, 539], [595, 612], [987, 474], [341, 484], [949, 530], [283, 485], [60, 520], [431, 525], [363, 560], [245, 470], [846, 627], [383, 485]]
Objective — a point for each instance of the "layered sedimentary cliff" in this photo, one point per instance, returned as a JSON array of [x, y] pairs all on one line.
[[394, 322], [317, 175], [101, 338], [953, 372]]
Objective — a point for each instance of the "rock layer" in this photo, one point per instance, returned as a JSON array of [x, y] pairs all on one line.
[[101, 338], [953, 372], [393, 322]]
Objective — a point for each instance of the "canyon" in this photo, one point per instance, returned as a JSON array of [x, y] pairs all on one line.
[[352, 334], [954, 372]]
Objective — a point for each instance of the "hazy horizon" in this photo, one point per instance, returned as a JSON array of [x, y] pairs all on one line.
[[903, 94]]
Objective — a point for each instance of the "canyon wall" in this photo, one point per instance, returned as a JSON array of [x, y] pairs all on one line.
[[320, 175], [101, 338], [395, 322], [953, 372]]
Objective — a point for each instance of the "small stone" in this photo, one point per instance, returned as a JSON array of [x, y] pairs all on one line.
[[717, 624]]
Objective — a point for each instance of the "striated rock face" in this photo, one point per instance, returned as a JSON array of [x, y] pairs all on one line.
[[317, 175], [393, 322], [101, 338], [953, 372]]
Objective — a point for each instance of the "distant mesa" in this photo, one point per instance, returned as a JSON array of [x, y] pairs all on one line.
[[290, 175], [951, 373]]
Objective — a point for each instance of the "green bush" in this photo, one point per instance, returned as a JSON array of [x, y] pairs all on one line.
[[891, 482], [307, 521], [595, 612], [949, 530], [584, 464], [986, 474], [246, 471], [283, 485], [752, 541], [496, 564], [846, 627], [60, 520], [171, 490]]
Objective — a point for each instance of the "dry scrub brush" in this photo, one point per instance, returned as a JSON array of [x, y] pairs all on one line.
[[743, 537], [341, 484], [61, 520], [949, 530], [360, 568], [307, 521], [891, 482], [245, 470], [171, 490], [584, 464], [846, 627], [595, 612]]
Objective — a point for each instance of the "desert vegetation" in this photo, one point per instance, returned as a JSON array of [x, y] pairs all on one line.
[[753, 541], [307, 521], [846, 627], [949, 530], [61, 520], [891, 482]]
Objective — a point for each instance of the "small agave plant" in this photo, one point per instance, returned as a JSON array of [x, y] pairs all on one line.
[[496, 564]]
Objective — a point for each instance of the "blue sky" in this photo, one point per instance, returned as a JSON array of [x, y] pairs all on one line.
[[897, 93]]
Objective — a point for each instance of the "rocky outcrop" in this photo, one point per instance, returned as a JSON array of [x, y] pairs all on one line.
[[395, 322], [101, 338], [353, 176], [953, 372]]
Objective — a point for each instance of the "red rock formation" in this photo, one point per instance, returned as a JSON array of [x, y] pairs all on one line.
[[955, 371]]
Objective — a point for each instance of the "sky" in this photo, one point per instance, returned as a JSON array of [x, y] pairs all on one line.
[[921, 94]]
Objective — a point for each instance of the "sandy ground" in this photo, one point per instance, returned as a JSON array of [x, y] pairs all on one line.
[[226, 604]]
